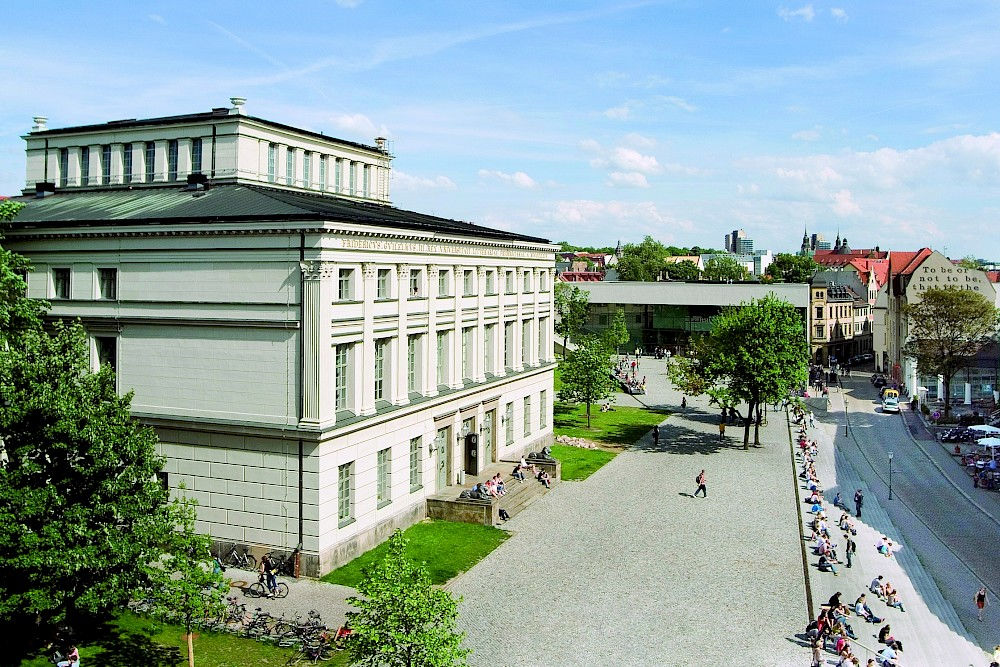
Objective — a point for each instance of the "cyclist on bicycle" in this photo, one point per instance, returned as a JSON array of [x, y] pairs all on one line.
[[267, 570]]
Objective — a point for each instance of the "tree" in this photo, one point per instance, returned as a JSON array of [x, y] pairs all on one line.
[[725, 268], [571, 311], [81, 508], [756, 353], [947, 328], [402, 619], [617, 332], [185, 582], [18, 313], [970, 262], [586, 373], [643, 261], [686, 270], [792, 268]]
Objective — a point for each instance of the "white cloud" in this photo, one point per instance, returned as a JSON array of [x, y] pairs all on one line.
[[156, 18], [590, 145], [679, 102], [623, 112], [359, 124], [629, 159], [639, 141], [839, 13], [638, 218], [404, 181], [806, 135], [518, 178], [844, 204], [630, 179], [806, 13]]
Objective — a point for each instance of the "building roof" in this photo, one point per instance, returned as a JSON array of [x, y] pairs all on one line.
[[994, 276], [677, 259], [215, 115], [232, 203], [834, 258], [905, 263], [879, 268]]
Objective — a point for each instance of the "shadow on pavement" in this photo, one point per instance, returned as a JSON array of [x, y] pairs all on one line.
[[675, 438]]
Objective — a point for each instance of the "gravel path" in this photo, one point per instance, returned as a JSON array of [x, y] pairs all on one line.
[[303, 595], [627, 567]]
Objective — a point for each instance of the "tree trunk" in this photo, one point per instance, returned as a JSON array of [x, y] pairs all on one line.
[[190, 640], [746, 429], [565, 341], [756, 428], [588, 414], [947, 396]]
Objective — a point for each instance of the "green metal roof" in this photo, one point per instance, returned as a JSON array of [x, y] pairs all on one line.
[[231, 203]]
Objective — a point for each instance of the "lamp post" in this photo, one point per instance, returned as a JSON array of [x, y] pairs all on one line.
[[890, 475]]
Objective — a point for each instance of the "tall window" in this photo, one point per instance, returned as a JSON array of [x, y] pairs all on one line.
[[322, 172], [352, 168], [508, 420], [63, 167], [127, 162], [367, 180], [468, 283], [416, 464], [272, 162], [172, 160], [525, 342], [150, 161], [508, 344], [196, 155], [415, 280], [413, 363], [381, 352], [468, 348], [307, 159], [85, 165], [338, 174], [105, 164], [290, 166], [384, 473], [527, 416], [345, 492], [527, 281], [341, 376], [543, 407], [490, 282], [509, 278], [60, 283], [345, 284], [382, 286], [489, 345], [107, 352], [442, 357], [543, 282], [107, 283], [443, 280]]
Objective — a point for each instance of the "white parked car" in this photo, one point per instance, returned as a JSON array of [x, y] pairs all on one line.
[[890, 404]]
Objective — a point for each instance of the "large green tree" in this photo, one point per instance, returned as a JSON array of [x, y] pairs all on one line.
[[586, 373], [616, 334], [947, 328], [756, 353], [792, 268], [644, 261], [18, 314], [725, 268], [571, 311], [686, 270], [401, 619]]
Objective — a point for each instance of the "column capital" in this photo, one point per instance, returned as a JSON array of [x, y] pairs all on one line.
[[403, 270], [481, 271], [433, 271], [368, 269], [317, 270]]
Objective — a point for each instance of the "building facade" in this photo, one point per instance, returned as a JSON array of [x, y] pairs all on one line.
[[312, 358], [842, 317]]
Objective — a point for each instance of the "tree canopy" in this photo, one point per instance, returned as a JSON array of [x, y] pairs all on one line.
[[18, 314], [725, 268], [616, 334], [947, 328], [571, 311], [644, 261], [586, 373], [686, 270], [792, 268], [755, 353]]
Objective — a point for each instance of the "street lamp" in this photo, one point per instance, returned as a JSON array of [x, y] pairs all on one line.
[[890, 475]]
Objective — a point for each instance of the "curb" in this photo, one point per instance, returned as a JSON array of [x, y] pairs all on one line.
[[810, 608]]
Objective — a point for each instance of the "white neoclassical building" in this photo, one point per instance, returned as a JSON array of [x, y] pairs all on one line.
[[312, 358]]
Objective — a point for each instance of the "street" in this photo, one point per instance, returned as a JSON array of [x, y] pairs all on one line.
[[952, 527]]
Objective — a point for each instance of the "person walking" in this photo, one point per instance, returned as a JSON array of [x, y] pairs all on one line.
[[722, 429], [850, 549], [700, 479], [981, 600], [656, 435], [859, 500]]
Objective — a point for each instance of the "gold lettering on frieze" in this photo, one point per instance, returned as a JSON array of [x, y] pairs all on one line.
[[386, 245]]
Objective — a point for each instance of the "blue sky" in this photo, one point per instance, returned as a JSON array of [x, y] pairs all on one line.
[[585, 121]]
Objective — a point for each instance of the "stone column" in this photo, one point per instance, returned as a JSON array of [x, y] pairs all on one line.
[[533, 355], [184, 159], [317, 357], [400, 378], [161, 167], [968, 393], [95, 165], [74, 166], [501, 343], [940, 388], [117, 164], [139, 162], [430, 345], [518, 323], [367, 370], [479, 354], [455, 374]]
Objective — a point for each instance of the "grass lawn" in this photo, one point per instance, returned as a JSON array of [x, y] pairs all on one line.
[[447, 548], [133, 641], [579, 463], [622, 426]]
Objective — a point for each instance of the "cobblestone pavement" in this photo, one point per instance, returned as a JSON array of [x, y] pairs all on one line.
[[303, 595], [627, 568]]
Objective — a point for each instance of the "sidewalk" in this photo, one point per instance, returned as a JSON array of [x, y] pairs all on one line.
[[930, 629]]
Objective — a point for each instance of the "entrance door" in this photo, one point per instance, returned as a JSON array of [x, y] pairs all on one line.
[[470, 444], [441, 452], [487, 439]]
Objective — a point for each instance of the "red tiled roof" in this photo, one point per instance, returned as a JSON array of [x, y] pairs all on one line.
[[880, 267], [581, 276], [905, 263], [994, 276]]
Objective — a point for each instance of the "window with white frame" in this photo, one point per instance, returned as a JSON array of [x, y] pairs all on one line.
[[367, 169], [509, 279], [352, 169], [508, 344], [468, 282], [443, 358], [290, 166], [384, 475], [85, 165], [172, 160], [525, 342], [127, 163], [150, 161], [60, 283], [345, 284], [382, 365], [338, 174], [105, 164], [63, 167], [527, 416], [543, 407], [345, 493], [107, 284], [489, 346], [543, 323], [543, 282], [416, 282], [413, 363], [272, 162], [444, 278], [343, 359], [107, 352], [468, 348], [508, 419], [196, 155], [383, 286], [527, 281], [307, 160], [416, 463], [322, 172], [491, 282]]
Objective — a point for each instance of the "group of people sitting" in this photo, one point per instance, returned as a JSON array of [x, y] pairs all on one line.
[[492, 488], [832, 626], [539, 474]]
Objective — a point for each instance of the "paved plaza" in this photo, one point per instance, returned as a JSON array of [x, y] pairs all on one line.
[[627, 567]]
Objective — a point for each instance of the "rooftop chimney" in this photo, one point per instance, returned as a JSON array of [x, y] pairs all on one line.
[[380, 143], [237, 103], [40, 124]]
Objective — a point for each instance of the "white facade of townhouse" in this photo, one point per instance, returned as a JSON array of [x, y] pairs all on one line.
[[312, 364]]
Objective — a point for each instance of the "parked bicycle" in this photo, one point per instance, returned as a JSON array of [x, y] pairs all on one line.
[[243, 561]]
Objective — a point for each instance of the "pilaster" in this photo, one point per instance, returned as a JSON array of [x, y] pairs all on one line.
[[117, 163], [183, 158], [519, 322], [455, 370], [317, 357], [533, 356], [401, 361], [367, 373], [160, 150], [479, 360], [95, 165], [430, 360]]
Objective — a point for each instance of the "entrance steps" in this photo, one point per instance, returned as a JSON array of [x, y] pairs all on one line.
[[449, 506]]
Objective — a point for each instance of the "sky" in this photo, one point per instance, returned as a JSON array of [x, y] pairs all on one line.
[[588, 121]]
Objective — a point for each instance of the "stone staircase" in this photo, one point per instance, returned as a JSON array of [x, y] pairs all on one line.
[[449, 506]]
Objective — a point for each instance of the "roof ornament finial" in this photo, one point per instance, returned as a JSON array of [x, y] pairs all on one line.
[[237, 103], [41, 124]]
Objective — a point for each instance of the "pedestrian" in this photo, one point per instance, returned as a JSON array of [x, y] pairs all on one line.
[[656, 435], [981, 601], [684, 402], [700, 479], [850, 549], [722, 429], [859, 500]]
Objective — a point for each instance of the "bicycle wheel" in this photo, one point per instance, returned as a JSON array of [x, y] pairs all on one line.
[[255, 590], [281, 591], [251, 563]]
